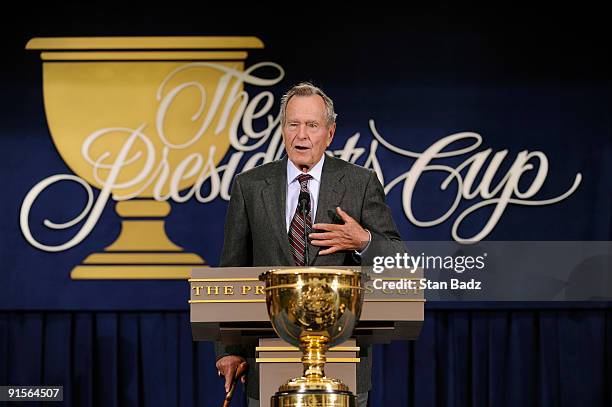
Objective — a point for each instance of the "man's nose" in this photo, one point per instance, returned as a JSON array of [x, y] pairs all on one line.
[[302, 133]]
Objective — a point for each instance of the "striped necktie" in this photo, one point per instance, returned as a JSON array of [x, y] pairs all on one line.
[[296, 229]]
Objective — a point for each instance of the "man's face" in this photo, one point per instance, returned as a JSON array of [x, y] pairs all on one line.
[[306, 133]]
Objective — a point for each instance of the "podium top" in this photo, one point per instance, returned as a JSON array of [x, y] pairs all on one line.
[[230, 302]]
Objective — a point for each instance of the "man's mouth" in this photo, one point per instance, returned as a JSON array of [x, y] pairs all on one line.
[[301, 148]]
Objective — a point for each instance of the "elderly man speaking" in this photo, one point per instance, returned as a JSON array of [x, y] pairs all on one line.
[[264, 226]]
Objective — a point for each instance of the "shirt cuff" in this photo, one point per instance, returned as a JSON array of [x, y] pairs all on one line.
[[360, 253]]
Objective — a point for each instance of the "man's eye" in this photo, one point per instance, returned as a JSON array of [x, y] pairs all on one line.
[[313, 125]]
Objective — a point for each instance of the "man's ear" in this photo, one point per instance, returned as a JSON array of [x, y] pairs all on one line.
[[330, 136]]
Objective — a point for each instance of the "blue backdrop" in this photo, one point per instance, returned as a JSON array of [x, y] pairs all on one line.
[[523, 81]]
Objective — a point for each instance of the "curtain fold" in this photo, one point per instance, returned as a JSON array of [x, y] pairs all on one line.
[[462, 358]]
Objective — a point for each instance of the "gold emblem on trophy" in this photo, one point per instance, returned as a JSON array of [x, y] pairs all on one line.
[[314, 309], [141, 118]]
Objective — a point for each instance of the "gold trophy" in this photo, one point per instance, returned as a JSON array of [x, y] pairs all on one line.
[[314, 309], [148, 98]]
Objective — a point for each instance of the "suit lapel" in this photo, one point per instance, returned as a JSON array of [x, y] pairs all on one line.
[[274, 197], [330, 195]]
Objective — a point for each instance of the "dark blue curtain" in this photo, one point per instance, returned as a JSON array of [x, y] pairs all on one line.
[[500, 358], [462, 358]]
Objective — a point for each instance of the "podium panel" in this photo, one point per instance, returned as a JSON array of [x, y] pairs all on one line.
[[228, 305]]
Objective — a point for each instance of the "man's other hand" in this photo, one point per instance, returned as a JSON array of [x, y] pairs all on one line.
[[227, 366], [349, 236]]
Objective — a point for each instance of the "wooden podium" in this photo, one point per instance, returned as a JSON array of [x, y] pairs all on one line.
[[228, 305]]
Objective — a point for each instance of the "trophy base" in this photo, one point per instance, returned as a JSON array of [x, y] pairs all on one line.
[[313, 398], [309, 384], [313, 392], [135, 265]]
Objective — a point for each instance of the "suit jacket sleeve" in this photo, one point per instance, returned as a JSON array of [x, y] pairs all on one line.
[[237, 245], [237, 250], [377, 218]]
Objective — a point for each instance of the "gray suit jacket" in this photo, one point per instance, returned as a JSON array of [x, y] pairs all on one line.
[[255, 228]]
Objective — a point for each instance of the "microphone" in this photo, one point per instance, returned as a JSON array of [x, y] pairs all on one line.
[[304, 206], [304, 202]]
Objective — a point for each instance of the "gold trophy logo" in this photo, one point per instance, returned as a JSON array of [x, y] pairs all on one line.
[[141, 118]]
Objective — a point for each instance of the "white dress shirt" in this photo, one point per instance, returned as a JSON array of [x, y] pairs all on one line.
[[314, 184], [293, 190]]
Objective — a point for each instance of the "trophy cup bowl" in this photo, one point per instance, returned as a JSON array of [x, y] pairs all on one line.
[[313, 309]]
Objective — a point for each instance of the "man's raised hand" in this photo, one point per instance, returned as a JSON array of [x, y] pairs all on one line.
[[348, 236]]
